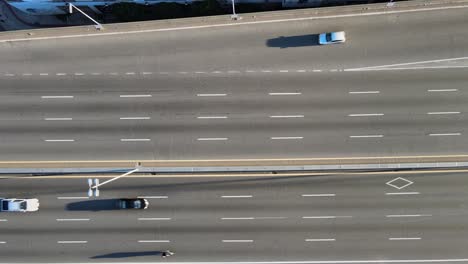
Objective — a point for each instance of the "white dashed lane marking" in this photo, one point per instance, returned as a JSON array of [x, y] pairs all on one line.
[[59, 140], [135, 139], [58, 118], [57, 97], [136, 118], [154, 241], [237, 241], [208, 95], [291, 93], [211, 139], [319, 195], [236, 196], [72, 242], [364, 92], [320, 240]]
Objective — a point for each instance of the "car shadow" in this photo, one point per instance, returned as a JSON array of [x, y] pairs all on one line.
[[93, 205], [293, 41], [128, 254]]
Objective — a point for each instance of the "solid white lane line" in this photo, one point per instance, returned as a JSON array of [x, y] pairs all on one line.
[[402, 193], [443, 113], [409, 215], [59, 140], [445, 134], [72, 242], [237, 218], [57, 97], [404, 238], [286, 137], [442, 90], [153, 197], [211, 139], [376, 114], [136, 118], [58, 118], [320, 239], [135, 95], [134, 139], [237, 241], [208, 95], [364, 92], [284, 93], [211, 117], [287, 116], [236, 196], [154, 241], [70, 198], [155, 219], [72, 219], [319, 195], [367, 136]]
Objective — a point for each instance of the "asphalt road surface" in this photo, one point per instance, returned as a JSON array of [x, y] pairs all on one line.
[[247, 91], [311, 218]]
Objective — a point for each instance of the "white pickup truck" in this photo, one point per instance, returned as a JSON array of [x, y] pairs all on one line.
[[18, 205]]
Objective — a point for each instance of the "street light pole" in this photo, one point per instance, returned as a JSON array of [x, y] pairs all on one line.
[[70, 10], [234, 16]]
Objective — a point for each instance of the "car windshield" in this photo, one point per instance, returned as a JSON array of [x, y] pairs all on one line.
[[137, 204], [328, 37], [23, 205], [5, 205]]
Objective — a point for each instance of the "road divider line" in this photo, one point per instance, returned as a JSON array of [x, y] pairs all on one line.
[[72, 242], [211, 139], [209, 95], [402, 193], [236, 196], [135, 118], [71, 219], [286, 138], [57, 97], [320, 239], [155, 219], [58, 119], [367, 136], [134, 139], [358, 115], [404, 238], [154, 241], [135, 95], [153, 197], [71, 198], [443, 113], [364, 92], [319, 195], [291, 93], [444, 134], [237, 241], [408, 215], [59, 140], [442, 90]]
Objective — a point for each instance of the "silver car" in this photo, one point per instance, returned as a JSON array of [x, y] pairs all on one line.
[[332, 37], [18, 205]]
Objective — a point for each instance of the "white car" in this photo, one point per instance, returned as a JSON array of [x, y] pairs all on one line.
[[18, 205], [332, 38]]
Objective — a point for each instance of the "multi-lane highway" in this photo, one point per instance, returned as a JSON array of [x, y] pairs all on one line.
[[259, 90], [345, 217]]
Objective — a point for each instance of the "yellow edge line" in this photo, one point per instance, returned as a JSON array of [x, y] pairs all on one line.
[[242, 160], [233, 175]]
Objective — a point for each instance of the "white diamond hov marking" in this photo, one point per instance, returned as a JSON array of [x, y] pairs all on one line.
[[395, 183]]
